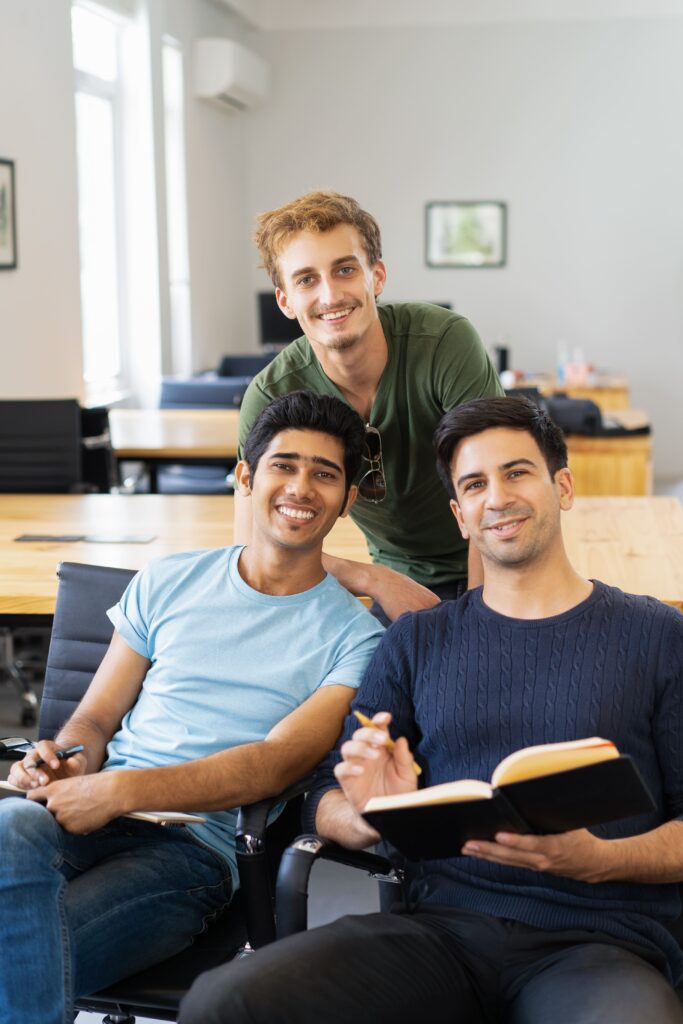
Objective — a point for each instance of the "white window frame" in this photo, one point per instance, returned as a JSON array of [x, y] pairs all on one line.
[[177, 228], [112, 91]]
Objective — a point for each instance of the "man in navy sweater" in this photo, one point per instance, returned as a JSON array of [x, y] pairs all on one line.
[[527, 929]]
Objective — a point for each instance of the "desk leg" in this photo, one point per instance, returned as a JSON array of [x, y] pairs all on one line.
[[152, 469]]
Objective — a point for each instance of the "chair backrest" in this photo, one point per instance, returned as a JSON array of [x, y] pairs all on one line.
[[40, 446], [203, 392], [244, 365], [574, 415], [533, 394], [81, 633]]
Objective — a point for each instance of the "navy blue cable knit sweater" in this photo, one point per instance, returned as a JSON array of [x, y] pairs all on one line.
[[468, 686]]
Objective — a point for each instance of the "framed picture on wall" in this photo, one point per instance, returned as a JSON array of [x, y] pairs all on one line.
[[8, 228], [466, 234]]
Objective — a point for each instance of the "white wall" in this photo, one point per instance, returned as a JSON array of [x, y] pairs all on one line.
[[577, 126], [40, 326]]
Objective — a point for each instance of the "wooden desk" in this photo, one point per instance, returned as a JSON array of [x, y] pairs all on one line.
[[633, 543], [28, 585], [27, 570], [617, 466], [601, 466], [157, 436]]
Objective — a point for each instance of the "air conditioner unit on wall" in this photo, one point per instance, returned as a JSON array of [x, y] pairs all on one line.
[[229, 74]]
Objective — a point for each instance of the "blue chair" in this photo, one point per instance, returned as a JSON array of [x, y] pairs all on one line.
[[244, 365], [205, 392]]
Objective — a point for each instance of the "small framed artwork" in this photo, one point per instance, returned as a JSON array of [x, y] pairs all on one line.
[[8, 228], [466, 234]]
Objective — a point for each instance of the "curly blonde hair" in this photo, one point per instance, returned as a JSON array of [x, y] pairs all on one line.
[[314, 211]]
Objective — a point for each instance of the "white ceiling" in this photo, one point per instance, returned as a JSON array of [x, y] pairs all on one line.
[[327, 14]]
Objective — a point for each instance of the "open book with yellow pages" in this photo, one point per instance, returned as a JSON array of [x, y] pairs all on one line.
[[160, 817], [549, 788]]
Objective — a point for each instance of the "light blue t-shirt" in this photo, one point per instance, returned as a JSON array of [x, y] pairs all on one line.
[[228, 663]]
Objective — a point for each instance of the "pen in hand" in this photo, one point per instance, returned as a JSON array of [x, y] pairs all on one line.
[[63, 755], [389, 743]]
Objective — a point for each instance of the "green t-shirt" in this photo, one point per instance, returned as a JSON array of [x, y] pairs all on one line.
[[436, 361]]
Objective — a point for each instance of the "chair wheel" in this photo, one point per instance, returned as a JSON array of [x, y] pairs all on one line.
[[28, 716]]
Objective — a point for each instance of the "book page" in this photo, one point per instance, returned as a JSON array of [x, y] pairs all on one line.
[[167, 817], [445, 793], [548, 758]]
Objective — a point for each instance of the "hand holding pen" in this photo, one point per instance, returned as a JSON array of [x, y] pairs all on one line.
[[388, 743], [372, 764], [62, 755], [38, 767]]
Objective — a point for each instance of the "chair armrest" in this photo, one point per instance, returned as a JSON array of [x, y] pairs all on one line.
[[291, 900], [253, 818], [253, 865]]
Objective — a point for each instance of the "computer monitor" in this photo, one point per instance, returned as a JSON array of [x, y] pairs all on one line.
[[274, 327]]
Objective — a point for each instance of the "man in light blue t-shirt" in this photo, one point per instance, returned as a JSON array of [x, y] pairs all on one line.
[[228, 677]]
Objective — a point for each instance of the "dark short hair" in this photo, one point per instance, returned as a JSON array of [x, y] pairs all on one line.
[[304, 410], [489, 413]]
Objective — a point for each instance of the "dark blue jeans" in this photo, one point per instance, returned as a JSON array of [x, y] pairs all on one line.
[[437, 965], [79, 912]]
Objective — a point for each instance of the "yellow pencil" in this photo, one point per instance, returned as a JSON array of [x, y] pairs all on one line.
[[389, 744]]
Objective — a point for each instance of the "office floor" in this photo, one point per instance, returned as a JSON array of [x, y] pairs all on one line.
[[333, 891]]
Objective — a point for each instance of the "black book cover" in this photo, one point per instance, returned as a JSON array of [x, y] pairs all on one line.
[[581, 797], [439, 830], [557, 802]]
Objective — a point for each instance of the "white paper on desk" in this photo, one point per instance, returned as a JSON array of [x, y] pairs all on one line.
[[160, 817]]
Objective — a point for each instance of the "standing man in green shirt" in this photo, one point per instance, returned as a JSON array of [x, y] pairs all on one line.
[[400, 366]]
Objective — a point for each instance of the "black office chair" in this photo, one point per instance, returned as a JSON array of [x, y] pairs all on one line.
[[100, 469], [40, 446], [80, 636], [296, 864], [40, 453]]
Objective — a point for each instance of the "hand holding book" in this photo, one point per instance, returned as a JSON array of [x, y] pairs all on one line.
[[547, 789], [577, 854]]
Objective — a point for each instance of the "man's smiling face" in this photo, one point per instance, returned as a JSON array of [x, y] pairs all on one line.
[[506, 500], [329, 286], [298, 489]]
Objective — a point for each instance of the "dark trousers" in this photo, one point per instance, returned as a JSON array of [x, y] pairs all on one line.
[[438, 965], [444, 591]]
